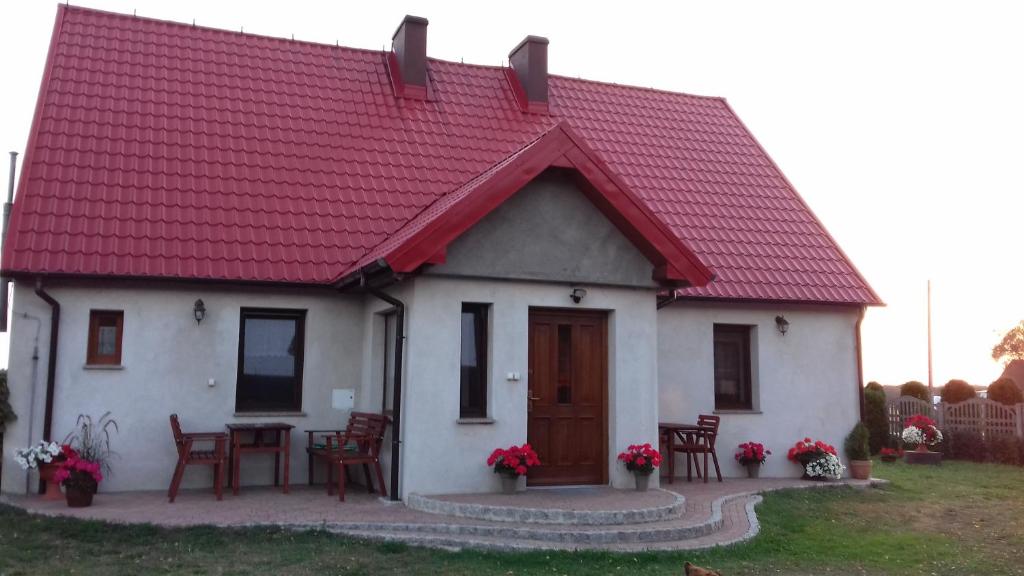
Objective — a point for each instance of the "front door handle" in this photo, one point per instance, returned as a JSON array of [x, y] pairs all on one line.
[[530, 396]]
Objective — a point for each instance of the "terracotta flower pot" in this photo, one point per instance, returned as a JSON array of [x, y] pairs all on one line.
[[46, 472], [860, 469]]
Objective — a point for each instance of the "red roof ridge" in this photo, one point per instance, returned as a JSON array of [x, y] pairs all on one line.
[[70, 7], [635, 87]]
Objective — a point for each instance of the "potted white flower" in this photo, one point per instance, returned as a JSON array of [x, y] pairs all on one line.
[[45, 457]]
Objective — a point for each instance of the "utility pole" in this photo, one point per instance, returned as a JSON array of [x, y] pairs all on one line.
[[931, 384]]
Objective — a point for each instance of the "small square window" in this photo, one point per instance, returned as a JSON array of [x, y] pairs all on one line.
[[270, 351], [733, 386], [105, 329]]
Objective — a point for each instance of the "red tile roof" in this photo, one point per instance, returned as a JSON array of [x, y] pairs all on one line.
[[167, 150]]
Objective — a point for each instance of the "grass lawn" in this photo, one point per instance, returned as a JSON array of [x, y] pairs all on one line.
[[960, 519]]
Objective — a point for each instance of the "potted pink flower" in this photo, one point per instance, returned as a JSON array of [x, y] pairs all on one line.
[[641, 460], [87, 455], [752, 455], [511, 463]]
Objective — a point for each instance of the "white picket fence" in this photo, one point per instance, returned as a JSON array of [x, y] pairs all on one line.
[[981, 415]]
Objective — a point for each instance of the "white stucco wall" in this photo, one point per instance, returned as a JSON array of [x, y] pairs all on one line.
[[167, 362], [442, 455], [806, 381]]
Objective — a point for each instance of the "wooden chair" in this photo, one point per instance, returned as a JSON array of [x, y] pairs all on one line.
[[188, 455], [359, 443], [701, 442]]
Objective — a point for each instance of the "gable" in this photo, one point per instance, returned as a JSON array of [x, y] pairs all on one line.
[[548, 231]]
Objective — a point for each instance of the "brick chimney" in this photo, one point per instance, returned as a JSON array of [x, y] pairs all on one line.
[[529, 61], [409, 62]]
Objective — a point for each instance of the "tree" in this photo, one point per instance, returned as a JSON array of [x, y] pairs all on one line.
[[6, 413], [1011, 347], [875, 386], [915, 389], [957, 391], [1005, 391], [875, 419]]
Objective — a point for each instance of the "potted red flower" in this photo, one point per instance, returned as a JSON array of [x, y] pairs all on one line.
[[818, 459], [752, 455], [87, 455], [511, 463], [891, 455], [641, 460], [80, 478]]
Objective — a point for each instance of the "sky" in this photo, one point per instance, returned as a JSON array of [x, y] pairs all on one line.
[[900, 123]]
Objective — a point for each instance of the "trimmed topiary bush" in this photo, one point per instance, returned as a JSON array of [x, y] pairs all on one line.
[[957, 391], [1004, 449], [875, 386], [1005, 391], [876, 420], [915, 389], [966, 445], [856, 444]]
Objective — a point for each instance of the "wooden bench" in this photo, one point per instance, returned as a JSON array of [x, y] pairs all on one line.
[[359, 443]]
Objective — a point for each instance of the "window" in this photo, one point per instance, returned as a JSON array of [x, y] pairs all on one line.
[[270, 347], [105, 328], [733, 389], [473, 387]]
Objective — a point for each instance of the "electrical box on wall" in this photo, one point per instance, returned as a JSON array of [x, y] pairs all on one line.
[[343, 398]]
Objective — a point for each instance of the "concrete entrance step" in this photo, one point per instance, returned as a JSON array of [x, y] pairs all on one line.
[[576, 506], [727, 523]]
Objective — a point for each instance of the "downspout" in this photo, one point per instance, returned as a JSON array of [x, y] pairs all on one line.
[[396, 399], [5, 284], [860, 362], [51, 361]]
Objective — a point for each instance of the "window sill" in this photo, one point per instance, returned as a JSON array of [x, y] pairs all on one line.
[[103, 367], [737, 411], [285, 414], [474, 421]]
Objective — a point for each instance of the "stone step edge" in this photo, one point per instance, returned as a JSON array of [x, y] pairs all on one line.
[[495, 543], [556, 534], [711, 525], [493, 513]]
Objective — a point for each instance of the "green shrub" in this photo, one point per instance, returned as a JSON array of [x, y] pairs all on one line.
[[1005, 391], [876, 420], [875, 386], [6, 413], [915, 389], [1004, 449], [966, 445], [957, 391], [856, 444]]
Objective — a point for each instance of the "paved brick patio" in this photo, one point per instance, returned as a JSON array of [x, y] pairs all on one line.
[[714, 514]]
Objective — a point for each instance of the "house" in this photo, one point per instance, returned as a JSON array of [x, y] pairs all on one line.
[[236, 228]]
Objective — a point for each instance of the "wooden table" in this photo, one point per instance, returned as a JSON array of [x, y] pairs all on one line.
[[685, 433], [260, 444]]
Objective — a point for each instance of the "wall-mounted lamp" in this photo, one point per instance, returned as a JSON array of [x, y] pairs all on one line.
[[578, 294], [782, 324], [199, 310]]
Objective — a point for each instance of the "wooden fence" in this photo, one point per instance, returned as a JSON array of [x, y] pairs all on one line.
[[986, 417]]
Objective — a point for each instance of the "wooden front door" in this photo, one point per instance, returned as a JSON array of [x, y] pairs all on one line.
[[568, 396]]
